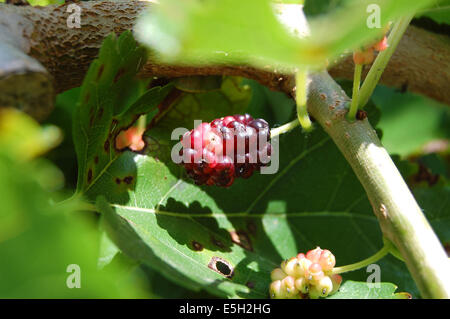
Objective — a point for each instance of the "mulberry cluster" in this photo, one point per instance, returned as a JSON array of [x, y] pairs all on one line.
[[227, 148], [305, 276]]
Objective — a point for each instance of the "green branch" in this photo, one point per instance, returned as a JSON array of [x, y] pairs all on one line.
[[355, 95], [284, 128], [374, 75], [300, 99], [400, 217], [363, 263]]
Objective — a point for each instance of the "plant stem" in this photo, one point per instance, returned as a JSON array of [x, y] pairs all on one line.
[[400, 218], [363, 263], [300, 99], [284, 128], [382, 60], [142, 122], [355, 95]]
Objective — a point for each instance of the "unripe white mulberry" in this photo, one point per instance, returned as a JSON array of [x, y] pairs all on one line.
[[288, 287], [277, 274], [276, 291], [327, 260]]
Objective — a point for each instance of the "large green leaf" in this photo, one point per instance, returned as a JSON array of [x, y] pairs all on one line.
[[234, 31], [439, 12], [40, 240], [108, 103], [228, 240], [403, 111]]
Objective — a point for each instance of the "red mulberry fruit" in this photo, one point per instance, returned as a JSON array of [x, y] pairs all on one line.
[[227, 148]]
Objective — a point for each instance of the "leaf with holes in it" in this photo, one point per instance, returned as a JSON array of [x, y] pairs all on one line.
[[111, 99], [228, 240]]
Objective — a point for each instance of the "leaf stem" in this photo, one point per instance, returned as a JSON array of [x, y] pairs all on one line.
[[284, 128], [142, 122], [300, 99], [363, 263], [355, 95], [382, 60]]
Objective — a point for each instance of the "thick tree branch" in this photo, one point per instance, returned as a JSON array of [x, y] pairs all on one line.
[[421, 61]]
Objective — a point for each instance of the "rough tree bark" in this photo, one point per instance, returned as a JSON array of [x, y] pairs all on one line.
[[40, 55]]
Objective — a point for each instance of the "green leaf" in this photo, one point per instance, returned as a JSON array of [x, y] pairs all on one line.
[[435, 201], [109, 103], [316, 7], [40, 240], [22, 138], [439, 12], [403, 111], [213, 32], [362, 290], [228, 240]]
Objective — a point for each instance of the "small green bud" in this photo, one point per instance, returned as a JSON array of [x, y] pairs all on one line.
[[288, 287], [275, 290], [277, 274], [314, 254], [301, 285], [316, 273], [337, 280], [327, 260], [325, 286], [289, 266]]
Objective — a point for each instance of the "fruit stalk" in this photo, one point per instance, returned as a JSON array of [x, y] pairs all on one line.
[[400, 217], [374, 75]]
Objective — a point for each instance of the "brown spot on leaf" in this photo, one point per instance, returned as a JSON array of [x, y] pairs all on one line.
[[197, 246], [119, 74], [100, 71], [221, 266], [89, 175], [117, 180], [128, 179], [100, 113], [251, 227], [86, 98], [242, 239], [217, 242], [250, 284], [424, 174], [323, 96], [96, 160], [106, 146]]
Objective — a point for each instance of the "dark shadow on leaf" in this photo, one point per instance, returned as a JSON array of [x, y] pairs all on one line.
[[197, 233]]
